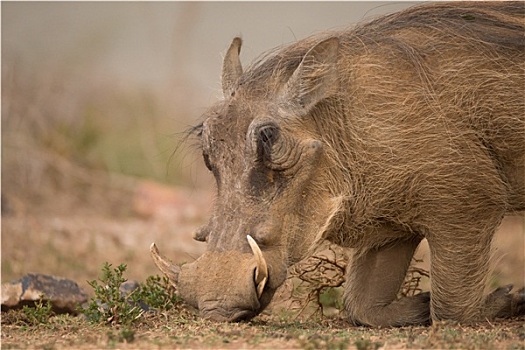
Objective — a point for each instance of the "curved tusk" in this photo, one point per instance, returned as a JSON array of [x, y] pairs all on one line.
[[165, 265], [261, 272]]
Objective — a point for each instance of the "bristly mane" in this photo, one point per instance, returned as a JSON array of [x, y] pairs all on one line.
[[452, 21]]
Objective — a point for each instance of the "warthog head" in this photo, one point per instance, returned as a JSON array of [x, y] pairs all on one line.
[[262, 145]]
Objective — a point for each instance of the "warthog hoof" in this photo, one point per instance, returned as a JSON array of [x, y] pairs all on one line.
[[501, 303]]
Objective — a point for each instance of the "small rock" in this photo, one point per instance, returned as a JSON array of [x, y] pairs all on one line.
[[128, 287], [65, 295], [11, 293]]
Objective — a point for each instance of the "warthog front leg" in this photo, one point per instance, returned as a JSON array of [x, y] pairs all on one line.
[[373, 283]]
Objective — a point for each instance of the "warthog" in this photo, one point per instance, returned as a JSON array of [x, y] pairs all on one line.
[[407, 127]]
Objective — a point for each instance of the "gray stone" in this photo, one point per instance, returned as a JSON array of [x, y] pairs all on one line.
[[128, 287], [65, 295]]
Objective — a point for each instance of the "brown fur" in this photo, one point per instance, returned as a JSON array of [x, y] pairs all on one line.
[[411, 126]]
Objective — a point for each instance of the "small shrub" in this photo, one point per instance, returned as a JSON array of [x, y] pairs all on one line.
[[110, 305], [157, 293], [39, 314]]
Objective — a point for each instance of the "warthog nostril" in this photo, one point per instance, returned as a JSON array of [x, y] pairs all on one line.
[[218, 315], [244, 315]]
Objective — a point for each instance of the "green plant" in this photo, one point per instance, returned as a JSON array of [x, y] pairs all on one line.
[[331, 297], [110, 305], [39, 314], [157, 293]]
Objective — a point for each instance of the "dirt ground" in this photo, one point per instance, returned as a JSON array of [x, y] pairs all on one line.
[[73, 235], [174, 331]]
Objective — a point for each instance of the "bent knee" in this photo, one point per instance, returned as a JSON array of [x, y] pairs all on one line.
[[406, 311]]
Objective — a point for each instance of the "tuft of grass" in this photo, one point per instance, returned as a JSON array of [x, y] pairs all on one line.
[[314, 342], [124, 335], [366, 344]]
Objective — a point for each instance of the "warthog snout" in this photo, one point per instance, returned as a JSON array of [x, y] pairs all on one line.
[[224, 286]]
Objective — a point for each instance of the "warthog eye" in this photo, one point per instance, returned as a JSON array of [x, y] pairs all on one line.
[[267, 136], [268, 133]]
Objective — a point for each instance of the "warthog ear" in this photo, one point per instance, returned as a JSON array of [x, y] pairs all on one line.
[[314, 79], [231, 67]]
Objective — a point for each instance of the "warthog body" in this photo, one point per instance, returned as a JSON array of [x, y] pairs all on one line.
[[408, 127]]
